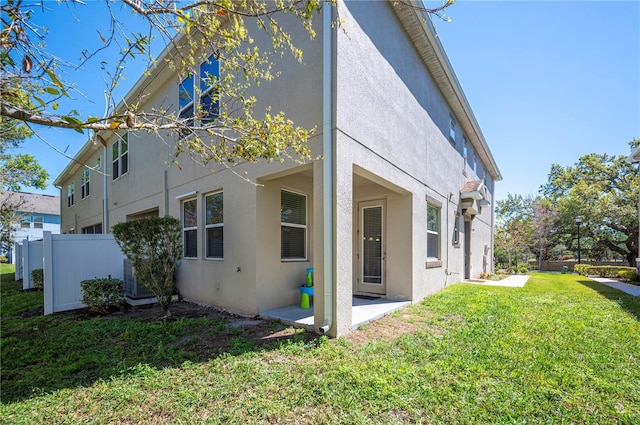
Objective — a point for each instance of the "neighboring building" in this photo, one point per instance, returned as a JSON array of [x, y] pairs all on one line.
[[34, 214], [400, 207]]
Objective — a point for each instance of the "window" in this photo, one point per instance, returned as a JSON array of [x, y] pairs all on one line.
[[84, 183], [190, 228], [452, 131], [38, 222], [200, 87], [475, 168], [120, 155], [293, 226], [456, 230], [96, 228], [214, 225], [433, 231], [465, 151], [25, 223], [71, 194]]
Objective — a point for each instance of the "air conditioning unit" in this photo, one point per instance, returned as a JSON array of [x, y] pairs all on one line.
[[133, 288]]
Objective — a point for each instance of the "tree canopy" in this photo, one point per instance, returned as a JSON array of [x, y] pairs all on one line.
[[603, 190], [34, 85]]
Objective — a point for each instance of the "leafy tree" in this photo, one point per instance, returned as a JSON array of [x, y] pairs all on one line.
[[514, 227], [603, 189], [544, 217], [153, 245], [17, 172], [33, 83]]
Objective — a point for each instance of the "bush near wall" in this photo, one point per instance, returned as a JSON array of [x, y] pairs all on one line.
[[3, 259], [37, 278], [103, 295]]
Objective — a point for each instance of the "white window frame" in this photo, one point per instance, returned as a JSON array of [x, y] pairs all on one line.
[[122, 156], [208, 226], [296, 225], [38, 222], [452, 130], [437, 232], [186, 229], [71, 194], [85, 177]]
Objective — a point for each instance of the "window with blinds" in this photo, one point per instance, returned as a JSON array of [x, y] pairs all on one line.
[[293, 226]]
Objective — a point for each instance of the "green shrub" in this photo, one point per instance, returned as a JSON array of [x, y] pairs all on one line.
[[3, 259], [154, 247], [37, 278], [103, 295], [522, 268], [582, 269], [609, 271], [631, 275]]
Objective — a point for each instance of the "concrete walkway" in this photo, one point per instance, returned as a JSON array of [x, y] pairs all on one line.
[[621, 286], [362, 311], [513, 281]]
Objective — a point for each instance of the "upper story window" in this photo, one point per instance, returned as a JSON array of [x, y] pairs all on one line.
[[25, 223], [190, 228], [465, 150], [71, 194], [214, 225], [433, 232], [84, 183], [452, 130], [475, 168], [38, 222], [293, 226], [200, 86], [120, 155]]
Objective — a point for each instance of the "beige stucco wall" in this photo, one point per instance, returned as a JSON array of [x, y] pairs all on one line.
[[390, 140]]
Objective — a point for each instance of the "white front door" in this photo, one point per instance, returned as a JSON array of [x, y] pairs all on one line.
[[371, 250]]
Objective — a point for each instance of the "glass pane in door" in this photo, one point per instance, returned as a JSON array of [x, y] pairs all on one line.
[[372, 245]]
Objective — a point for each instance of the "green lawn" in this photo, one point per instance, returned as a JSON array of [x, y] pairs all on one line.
[[561, 350]]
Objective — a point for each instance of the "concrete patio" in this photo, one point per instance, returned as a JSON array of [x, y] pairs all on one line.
[[363, 311]]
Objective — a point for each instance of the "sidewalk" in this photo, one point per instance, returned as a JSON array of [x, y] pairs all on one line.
[[624, 287]]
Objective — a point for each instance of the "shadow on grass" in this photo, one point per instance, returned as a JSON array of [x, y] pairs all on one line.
[[628, 302], [70, 350]]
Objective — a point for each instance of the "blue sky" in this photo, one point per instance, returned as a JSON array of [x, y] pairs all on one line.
[[547, 81]]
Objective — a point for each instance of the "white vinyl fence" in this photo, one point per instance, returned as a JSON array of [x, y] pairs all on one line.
[[30, 260], [17, 259], [70, 259]]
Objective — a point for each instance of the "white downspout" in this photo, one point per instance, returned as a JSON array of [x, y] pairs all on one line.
[[327, 164], [105, 198]]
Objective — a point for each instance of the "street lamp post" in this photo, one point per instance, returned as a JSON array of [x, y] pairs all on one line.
[[579, 222]]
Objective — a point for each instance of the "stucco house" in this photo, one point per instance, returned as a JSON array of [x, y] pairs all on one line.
[[34, 214], [400, 206]]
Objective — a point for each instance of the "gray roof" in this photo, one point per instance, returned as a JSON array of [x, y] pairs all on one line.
[[33, 202]]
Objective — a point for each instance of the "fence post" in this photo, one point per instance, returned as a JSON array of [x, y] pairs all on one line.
[[26, 269], [17, 259], [47, 265]]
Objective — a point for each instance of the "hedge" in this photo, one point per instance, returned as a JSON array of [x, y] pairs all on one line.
[[602, 271], [103, 295]]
